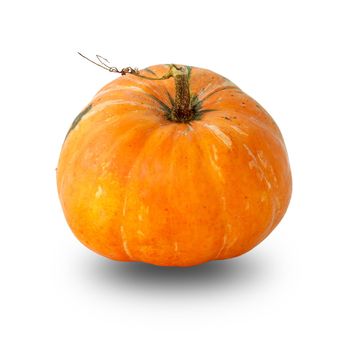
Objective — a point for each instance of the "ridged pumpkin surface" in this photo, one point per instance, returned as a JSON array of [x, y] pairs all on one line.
[[135, 186]]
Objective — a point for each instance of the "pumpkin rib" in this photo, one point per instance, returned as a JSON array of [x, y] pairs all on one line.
[[224, 120], [121, 88], [122, 230], [217, 90], [272, 132], [219, 134], [120, 102], [173, 172], [103, 127], [105, 120], [155, 87], [116, 88], [168, 194], [160, 139], [259, 237], [256, 165], [194, 132], [145, 136], [229, 125], [127, 185], [268, 224], [218, 182], [247, 121]]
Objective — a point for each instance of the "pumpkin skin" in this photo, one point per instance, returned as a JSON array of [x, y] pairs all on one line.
[[135, 186]]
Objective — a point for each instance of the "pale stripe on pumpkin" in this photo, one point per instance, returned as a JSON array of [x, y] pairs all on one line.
[[120, 88], [125, 242], [219, 134], [254, 164], [238, 130]]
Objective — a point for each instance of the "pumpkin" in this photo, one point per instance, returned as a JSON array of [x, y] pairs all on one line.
[[173, 166]]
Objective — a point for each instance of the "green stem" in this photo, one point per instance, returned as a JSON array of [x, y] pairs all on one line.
[[182, 110]]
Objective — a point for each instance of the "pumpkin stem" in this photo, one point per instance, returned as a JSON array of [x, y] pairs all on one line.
[[182, 110]]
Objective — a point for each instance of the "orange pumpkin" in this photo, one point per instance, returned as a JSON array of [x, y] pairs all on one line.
[[174, 171]]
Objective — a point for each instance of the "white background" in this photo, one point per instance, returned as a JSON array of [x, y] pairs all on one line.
[[291, 292]]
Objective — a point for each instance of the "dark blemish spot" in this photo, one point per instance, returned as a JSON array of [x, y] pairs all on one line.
[[78, 118]]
